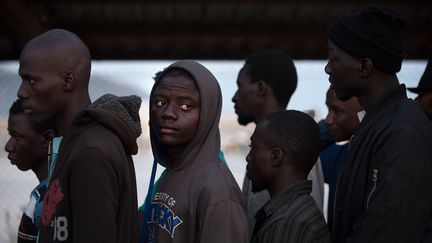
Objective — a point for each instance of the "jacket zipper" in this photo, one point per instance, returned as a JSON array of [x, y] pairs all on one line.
[[374, 179]]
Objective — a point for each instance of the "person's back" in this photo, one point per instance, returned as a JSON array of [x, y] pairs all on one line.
[[384, 193], [197, 199], [284, 148]]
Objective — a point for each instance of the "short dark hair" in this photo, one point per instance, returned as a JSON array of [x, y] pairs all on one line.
[[297, 134], [275, 68], [17, 109]]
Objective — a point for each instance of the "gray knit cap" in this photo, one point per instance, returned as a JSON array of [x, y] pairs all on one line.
[[125, 107]]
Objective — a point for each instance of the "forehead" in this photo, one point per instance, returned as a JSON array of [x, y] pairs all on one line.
[[244, 75], [20, 122], [176, 84], [32, 59]]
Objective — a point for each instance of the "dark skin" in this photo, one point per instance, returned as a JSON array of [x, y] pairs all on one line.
[[26, 147], [253, 100], [350, 76], [342, 120], [55, 70], [268, 165], [174, 114]]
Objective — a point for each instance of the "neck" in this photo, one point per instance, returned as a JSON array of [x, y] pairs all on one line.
[[284, 179], [65, 121], [41, 170], [268, 108], [378, 88]]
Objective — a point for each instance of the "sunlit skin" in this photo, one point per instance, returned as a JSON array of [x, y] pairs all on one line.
[[174, 113], [27, 148], [424, 98], [342, 120]]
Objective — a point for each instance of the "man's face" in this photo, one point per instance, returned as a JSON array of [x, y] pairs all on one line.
[[41, 88], [25, 147], [259, 168], [246, 99], [342, 120], [424, 98], [174, 112], [343, 73]]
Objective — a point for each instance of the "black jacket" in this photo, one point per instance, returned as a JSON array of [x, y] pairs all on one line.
[[92, 195], [385, 191]]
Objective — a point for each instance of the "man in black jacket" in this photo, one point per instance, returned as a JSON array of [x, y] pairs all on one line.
[[384, 193]]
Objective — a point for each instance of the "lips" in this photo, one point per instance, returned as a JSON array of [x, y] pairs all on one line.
[[167, 130], [12, 160], [27, 109]]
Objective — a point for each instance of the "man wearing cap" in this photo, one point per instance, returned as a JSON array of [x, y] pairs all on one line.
[[384, 193], [424, 90]]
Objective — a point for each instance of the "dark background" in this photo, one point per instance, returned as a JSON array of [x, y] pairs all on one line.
[[212, 29]]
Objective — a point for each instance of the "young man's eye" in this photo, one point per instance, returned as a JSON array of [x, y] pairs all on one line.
[[186, 107], [31, 81], [159, 103]]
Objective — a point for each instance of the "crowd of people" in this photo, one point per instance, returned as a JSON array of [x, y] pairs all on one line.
[[373, 149]]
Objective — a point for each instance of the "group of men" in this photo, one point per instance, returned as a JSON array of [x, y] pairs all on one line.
[[379, 181]]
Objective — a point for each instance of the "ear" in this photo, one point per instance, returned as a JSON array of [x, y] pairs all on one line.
[[276, 156], [69, 81], [48, 135], [365, 67], [262, 88]]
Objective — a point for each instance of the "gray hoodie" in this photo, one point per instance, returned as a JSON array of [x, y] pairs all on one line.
[[198, 199]]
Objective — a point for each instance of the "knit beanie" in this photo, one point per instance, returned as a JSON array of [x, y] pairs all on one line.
[[375, 33]]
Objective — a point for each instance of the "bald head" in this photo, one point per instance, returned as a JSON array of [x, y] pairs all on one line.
[[65, 50]]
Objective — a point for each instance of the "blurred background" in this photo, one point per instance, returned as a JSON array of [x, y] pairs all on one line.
[[131, 40]]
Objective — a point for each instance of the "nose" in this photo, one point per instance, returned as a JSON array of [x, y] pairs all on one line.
[[170, 111], [234, 98], [22, 91], [327, 68], [9, 146], [329, 119]]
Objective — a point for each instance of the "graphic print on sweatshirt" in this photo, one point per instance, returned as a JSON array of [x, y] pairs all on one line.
[[52, 198], [162, 215]]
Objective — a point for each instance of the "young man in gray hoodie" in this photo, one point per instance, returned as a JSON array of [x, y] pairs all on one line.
[[197, 199]]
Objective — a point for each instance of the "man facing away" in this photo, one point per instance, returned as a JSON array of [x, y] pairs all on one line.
[[91, 195], [27, 148], [424, 90], [340, 124], [284, 148], [384, 192], [265, 85], [197, 199]]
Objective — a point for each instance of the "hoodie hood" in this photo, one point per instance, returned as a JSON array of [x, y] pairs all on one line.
[[118, 114], [205, 145]]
